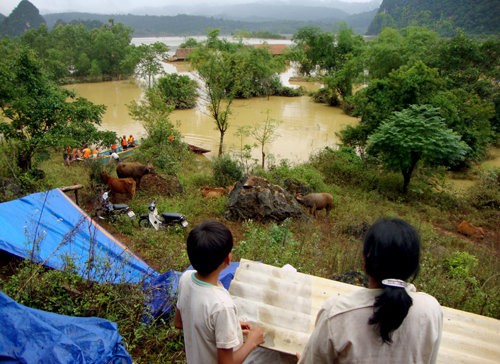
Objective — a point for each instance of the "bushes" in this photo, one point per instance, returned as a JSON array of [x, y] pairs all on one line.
[[226, 170], [486, 193], [163, 146], [343, 166]]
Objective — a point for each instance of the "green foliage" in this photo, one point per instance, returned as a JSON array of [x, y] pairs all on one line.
[[39, 114], [162, 146], [178, 91], [445, 17], [214, 68], [273, 245], [413, 135], [70, 51], [486, 193], [265, 134], [150, 58], [304, 173], [226, 170], [342, 166], [461, 265], [414, 66]]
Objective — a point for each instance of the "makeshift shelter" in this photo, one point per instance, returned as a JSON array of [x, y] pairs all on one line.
[[49, 228]]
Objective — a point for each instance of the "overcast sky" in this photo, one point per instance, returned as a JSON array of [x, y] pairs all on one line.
[[112, 6]]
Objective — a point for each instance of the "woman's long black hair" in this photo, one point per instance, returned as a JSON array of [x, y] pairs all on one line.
[[391, 250]]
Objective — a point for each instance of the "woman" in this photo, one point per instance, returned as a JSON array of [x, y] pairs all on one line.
[[389, 322]]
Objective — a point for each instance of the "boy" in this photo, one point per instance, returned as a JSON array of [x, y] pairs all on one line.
[[205, 310]]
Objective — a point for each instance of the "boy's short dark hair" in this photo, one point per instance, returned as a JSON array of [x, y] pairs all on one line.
[[208, 244]]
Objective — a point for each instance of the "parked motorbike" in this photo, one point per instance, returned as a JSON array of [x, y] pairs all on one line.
[[110, 211], [160, 221]]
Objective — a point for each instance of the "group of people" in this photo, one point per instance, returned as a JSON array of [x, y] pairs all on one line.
[[388, 322], [127, 142], [72, 154]]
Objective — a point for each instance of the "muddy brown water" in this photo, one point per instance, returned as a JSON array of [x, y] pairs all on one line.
[[305, 126]]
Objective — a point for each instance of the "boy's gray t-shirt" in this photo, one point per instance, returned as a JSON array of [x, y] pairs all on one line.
[[209, 319]]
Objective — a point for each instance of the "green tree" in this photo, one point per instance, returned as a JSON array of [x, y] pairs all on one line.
[[213, 64], [403, 87], [313, 49], [178, 90], [150, 58], [157, 148], [39, 114], [413, 135]]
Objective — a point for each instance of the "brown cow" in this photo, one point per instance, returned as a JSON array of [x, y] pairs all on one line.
[[134, 170], [468, 229], [316, 201], [119, 185], [213, 192]]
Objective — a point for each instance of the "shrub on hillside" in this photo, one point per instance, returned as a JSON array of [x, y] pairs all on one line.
[[486, 193], [302, 174], [226, 170]]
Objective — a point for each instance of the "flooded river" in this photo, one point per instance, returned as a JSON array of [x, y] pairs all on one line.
[[305, 126]]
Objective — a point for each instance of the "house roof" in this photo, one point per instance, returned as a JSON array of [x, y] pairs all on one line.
[[274, 49], [181, 54]]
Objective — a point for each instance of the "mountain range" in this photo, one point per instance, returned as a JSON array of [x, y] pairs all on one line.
[[479, 17]]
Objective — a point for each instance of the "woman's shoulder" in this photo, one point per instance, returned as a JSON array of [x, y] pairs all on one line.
[[424, 299]]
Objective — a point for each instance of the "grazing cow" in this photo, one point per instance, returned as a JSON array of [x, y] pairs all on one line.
[[213, 192], [470, 230], [134, 170], [119, 185], [316, 201]]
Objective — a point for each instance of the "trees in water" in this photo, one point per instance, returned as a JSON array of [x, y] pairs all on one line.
[[399, 68], [74, 51], [233, 70]]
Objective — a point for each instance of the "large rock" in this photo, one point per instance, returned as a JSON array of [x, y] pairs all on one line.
[[255, 198]]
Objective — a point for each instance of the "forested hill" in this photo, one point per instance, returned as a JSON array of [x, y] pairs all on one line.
[[148, 25], [478, 17], [24, 16]]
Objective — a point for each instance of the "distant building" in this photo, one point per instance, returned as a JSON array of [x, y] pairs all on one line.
[[182, 54], [274, 49]]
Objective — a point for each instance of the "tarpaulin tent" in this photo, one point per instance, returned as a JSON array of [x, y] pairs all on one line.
[[49, 228], [34, 336]]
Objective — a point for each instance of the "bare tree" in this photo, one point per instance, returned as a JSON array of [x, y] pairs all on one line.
[[265, 134]]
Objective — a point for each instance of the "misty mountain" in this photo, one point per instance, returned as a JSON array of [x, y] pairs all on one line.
[[272, 9], [148, 25], [24, 16]]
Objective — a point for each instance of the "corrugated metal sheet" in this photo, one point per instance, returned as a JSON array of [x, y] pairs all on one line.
[[285, 303]]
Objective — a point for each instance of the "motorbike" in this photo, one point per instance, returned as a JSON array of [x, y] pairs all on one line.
[[160, 221], [110, 211]]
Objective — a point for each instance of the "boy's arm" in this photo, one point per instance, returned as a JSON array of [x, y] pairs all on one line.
[[178, 319], [230, 356]]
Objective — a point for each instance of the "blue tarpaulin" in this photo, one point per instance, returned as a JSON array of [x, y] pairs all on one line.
[[34, 336], [49, 228], [162, 291]]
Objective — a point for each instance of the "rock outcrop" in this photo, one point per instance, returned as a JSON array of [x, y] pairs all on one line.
[[257, 199]]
